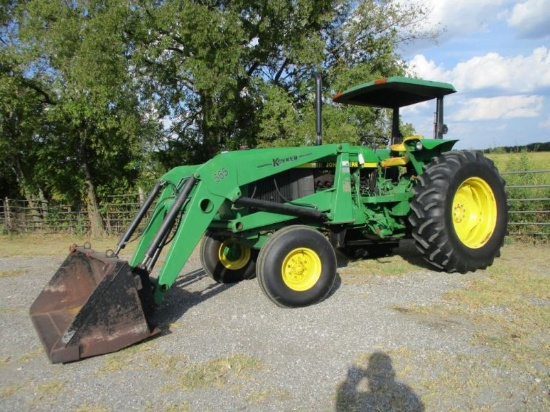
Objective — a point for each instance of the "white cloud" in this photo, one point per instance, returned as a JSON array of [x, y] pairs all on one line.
[[463, 17], [503, 107], [496, 53], [531, 18], [427, 69], [516, 74]]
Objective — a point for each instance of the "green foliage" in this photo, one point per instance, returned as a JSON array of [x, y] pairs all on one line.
[[22, 102], [532, 147], [81, 131], [100, 96], [239, 73]]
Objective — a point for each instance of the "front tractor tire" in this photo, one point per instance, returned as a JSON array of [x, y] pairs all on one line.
[[459, 212], [296, 267], [225, 260]]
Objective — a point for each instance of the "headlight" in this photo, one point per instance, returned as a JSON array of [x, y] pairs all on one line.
[[418, 145]]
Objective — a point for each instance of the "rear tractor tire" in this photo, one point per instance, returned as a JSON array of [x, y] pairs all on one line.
[[296, 267], [227, 261], [459, 212]]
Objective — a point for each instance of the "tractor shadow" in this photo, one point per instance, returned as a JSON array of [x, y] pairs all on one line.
[[406, 250], [335, 286], [184, 295]]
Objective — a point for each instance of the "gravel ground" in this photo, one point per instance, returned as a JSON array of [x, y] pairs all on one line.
[[227, 347]]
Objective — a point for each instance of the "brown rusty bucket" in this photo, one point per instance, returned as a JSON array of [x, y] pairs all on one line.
[[91, 306]]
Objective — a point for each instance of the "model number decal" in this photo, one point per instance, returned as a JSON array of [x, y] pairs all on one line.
[[221, 174]]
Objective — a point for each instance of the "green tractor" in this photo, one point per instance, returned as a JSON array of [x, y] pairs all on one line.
[[279, 215]]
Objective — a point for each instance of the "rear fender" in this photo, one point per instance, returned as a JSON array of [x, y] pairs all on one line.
[[430, 148], [439, 145]]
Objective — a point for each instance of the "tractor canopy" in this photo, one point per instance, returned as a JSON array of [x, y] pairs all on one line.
[[394, 92]]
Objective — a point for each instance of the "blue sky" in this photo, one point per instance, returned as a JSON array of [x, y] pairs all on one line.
[[497, 55]]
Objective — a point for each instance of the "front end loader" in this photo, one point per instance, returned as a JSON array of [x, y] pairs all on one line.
[[280, 215]]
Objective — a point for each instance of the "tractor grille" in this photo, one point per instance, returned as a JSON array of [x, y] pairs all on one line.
[[283, 187]]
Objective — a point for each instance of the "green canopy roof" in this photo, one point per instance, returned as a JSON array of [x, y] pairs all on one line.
[[393, 92]]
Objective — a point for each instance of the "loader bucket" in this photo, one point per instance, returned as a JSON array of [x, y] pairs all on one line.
[[91, 306]]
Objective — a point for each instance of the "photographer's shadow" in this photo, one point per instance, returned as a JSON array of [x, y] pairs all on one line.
[[375, 389]]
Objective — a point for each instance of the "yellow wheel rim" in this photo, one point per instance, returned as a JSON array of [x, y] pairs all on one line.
[[233, 255], [474, 212], [301, 269]]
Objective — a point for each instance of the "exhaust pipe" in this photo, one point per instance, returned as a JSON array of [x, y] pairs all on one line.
[[318, 107]]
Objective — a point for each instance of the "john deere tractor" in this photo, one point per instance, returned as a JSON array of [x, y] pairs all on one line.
[[279, 215]]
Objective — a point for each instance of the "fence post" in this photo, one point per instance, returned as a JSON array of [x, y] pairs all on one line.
[[7, 214], [141, 195]]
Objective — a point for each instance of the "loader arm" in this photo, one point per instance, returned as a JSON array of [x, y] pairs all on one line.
[[210, 185]]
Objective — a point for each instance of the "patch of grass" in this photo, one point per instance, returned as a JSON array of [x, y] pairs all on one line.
[[406, 379], [30, 355], [47, 392], [218, 372], [536, 160], [486, 380], [510, 302], [11, 273], [513, 302], [10, 390], [168, 363], [114, 363], [50, 388], [92, 408], [258, 397], [117, 361], [13, 310], [123, 359], [180, 407], [37, 244], [508, 309]]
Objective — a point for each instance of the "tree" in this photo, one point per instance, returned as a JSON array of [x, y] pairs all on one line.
[[97, 95], [94, 127], [229, 73], [22, 103]]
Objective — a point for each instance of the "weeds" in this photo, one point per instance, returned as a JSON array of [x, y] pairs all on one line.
[[508, 310], [11, 273], [53, 244], [218, 372], [92, 408], [181, 407]]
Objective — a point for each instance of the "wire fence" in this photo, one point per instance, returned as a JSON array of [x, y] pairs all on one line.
[[21, 216], [529, 203], [528, 199]]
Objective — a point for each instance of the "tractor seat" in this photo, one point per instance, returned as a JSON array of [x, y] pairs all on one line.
[[399, 148]]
